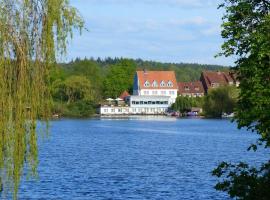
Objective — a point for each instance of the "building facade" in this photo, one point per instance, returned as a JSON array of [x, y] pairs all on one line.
[[153, 93], [191, 89], [144, 105], [156, 83], [212, 79]]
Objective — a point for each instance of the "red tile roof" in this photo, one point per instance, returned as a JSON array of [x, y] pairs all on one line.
[[158, 76], [190, 87], [218, 78], [124, 95]]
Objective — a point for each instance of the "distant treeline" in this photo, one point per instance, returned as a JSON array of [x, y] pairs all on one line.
[[184, 71], [80, 85]]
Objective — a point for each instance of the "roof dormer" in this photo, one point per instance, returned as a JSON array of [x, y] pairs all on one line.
[[170, 84], [146, 84], [162, 84], [155, 83]]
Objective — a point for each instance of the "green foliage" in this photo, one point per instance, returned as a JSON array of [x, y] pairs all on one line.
[[244, 182], [197, 101], [182, 104], [32, 34], [91, 70], [119, 78], [184, 72], [78, 109], [246, 30], [74, 97], [220, 100], [77, 88]]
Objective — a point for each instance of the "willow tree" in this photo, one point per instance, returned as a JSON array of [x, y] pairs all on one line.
[[33, 33]]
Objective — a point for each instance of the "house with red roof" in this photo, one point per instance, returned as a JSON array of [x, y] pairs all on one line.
[[191, 89], [124, 95], [212, 79], [156, 83], [153, 93]]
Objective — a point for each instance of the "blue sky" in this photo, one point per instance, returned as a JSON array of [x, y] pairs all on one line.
[[160, 30]]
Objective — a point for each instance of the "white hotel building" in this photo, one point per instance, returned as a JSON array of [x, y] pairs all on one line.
[[153, 93]]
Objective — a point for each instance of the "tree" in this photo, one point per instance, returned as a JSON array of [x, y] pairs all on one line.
[[77, 88], [119, 78], [89, 69], [246, 30], [32, 34], [182, 104], [220, 100], [74, 88], [74, 97]]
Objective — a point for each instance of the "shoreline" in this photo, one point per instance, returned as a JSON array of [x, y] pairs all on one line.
[[98, 116]]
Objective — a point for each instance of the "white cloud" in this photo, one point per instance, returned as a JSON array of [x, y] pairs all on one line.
[[165, 30], [137, 26]]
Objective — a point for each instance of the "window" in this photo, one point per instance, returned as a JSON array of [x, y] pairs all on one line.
[[141, 102], [170, 84], [214, 84], [186, 87], [154, 92], [155, 84], [163, 92], [197, 88], [105, 110], [113, 110], [133, 102], [149, 102], [146, 92], [162, 84], [146, 84], [145, 102], [171, 92]]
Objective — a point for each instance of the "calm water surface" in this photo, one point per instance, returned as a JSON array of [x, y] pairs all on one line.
[[136, 158]]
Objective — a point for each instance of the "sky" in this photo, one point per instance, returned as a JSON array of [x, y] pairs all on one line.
[[159, 30]]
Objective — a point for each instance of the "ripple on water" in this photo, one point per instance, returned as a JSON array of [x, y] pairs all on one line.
[[142, 158]]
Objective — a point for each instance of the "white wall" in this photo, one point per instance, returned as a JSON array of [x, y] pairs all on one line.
[[105, 110], [172, 93]]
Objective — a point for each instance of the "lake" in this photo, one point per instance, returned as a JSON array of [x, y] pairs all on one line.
[[136, 158]]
